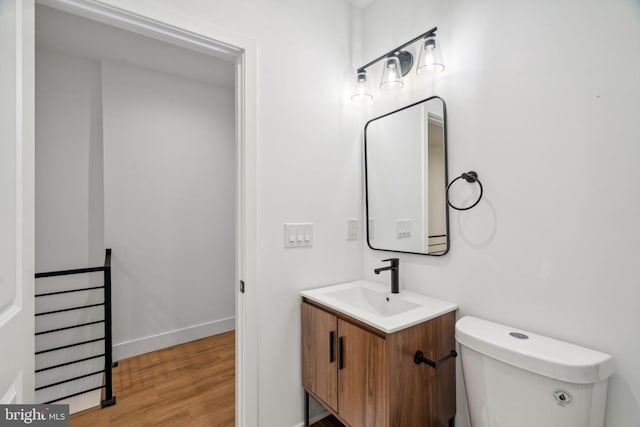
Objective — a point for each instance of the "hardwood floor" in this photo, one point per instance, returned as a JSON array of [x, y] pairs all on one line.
[[189, 385], [192, 384]]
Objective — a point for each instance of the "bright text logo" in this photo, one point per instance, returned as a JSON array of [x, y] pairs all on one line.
[[35, 415]]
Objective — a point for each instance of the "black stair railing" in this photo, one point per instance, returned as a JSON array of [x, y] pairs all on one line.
[[109, 398]]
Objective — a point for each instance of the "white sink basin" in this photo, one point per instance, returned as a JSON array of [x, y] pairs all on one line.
[[375, 305]]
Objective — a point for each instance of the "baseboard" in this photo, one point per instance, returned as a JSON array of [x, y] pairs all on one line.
[[315, 419], [143, 345]]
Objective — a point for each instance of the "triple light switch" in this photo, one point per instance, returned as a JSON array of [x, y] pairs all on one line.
[[298, 235]]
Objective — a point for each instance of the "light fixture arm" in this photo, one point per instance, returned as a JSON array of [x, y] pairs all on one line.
[[431, 32]]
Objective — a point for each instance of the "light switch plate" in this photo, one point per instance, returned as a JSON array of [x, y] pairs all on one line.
[[352, 229], [298, 235], [403, 228]]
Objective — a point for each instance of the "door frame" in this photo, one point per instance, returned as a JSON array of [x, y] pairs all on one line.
[[167, 24]]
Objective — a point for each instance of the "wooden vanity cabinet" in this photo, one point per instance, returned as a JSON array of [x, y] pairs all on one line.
[[362, 377], [368, 378], [319, 338]]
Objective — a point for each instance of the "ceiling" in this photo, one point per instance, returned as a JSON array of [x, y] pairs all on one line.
[[80, 37]]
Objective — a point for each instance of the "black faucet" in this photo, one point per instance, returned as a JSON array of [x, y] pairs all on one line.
[[395, 274]]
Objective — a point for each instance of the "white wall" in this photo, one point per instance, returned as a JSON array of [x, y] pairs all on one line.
[[69, 210], [69, 216], [308, 165], [542, 103], [169, 207]]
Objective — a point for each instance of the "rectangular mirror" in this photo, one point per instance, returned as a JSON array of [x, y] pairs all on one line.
[[406, 179]]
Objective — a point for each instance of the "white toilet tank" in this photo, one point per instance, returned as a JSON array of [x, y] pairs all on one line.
[[515, 378]]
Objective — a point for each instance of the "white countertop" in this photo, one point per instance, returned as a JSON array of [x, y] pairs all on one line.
[[368, 301]]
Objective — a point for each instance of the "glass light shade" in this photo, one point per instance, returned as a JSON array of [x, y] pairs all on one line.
[[430, 58], [362, 91], [391, 74]]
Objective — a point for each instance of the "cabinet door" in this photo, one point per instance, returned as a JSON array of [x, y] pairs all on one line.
[[319, 366], [362, 377]]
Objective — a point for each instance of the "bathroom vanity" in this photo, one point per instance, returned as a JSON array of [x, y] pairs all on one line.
[[359, 345]]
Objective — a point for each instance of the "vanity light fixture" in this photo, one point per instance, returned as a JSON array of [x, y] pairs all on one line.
[[398, 62], [363, 88], [430, 58], [391, 74]]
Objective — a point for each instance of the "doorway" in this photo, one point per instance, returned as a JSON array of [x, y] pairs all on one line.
[[140, 210]]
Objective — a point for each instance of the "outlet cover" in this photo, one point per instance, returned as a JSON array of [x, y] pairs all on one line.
[[352, 229]]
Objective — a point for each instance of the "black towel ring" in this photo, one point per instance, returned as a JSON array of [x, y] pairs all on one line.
[[470, 177]]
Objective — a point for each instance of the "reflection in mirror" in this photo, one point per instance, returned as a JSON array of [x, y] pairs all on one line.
[[406, 179]]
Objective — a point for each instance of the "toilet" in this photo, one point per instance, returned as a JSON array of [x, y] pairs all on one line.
[[515, 378]]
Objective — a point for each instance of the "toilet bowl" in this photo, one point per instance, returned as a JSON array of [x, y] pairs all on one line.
[[515, 378]]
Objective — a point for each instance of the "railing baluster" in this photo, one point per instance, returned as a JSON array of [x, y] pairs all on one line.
[[109, 399]]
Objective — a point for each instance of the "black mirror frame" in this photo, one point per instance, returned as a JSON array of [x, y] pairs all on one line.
[[446, 175]]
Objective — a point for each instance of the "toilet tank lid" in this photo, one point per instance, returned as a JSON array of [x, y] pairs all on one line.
[[535, 353]]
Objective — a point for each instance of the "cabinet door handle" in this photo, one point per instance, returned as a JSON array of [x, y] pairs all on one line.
[[340, 352], [332, 357]]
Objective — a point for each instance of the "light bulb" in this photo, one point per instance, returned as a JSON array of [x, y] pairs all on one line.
[[391, 74], [430, 58], [362, 92]]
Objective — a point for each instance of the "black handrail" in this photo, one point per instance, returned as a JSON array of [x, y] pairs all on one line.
[[69, 327], [62, 347], [109, 398], [68, 380], [80, 307], [69, 363], [68, 291], [70, 272]]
